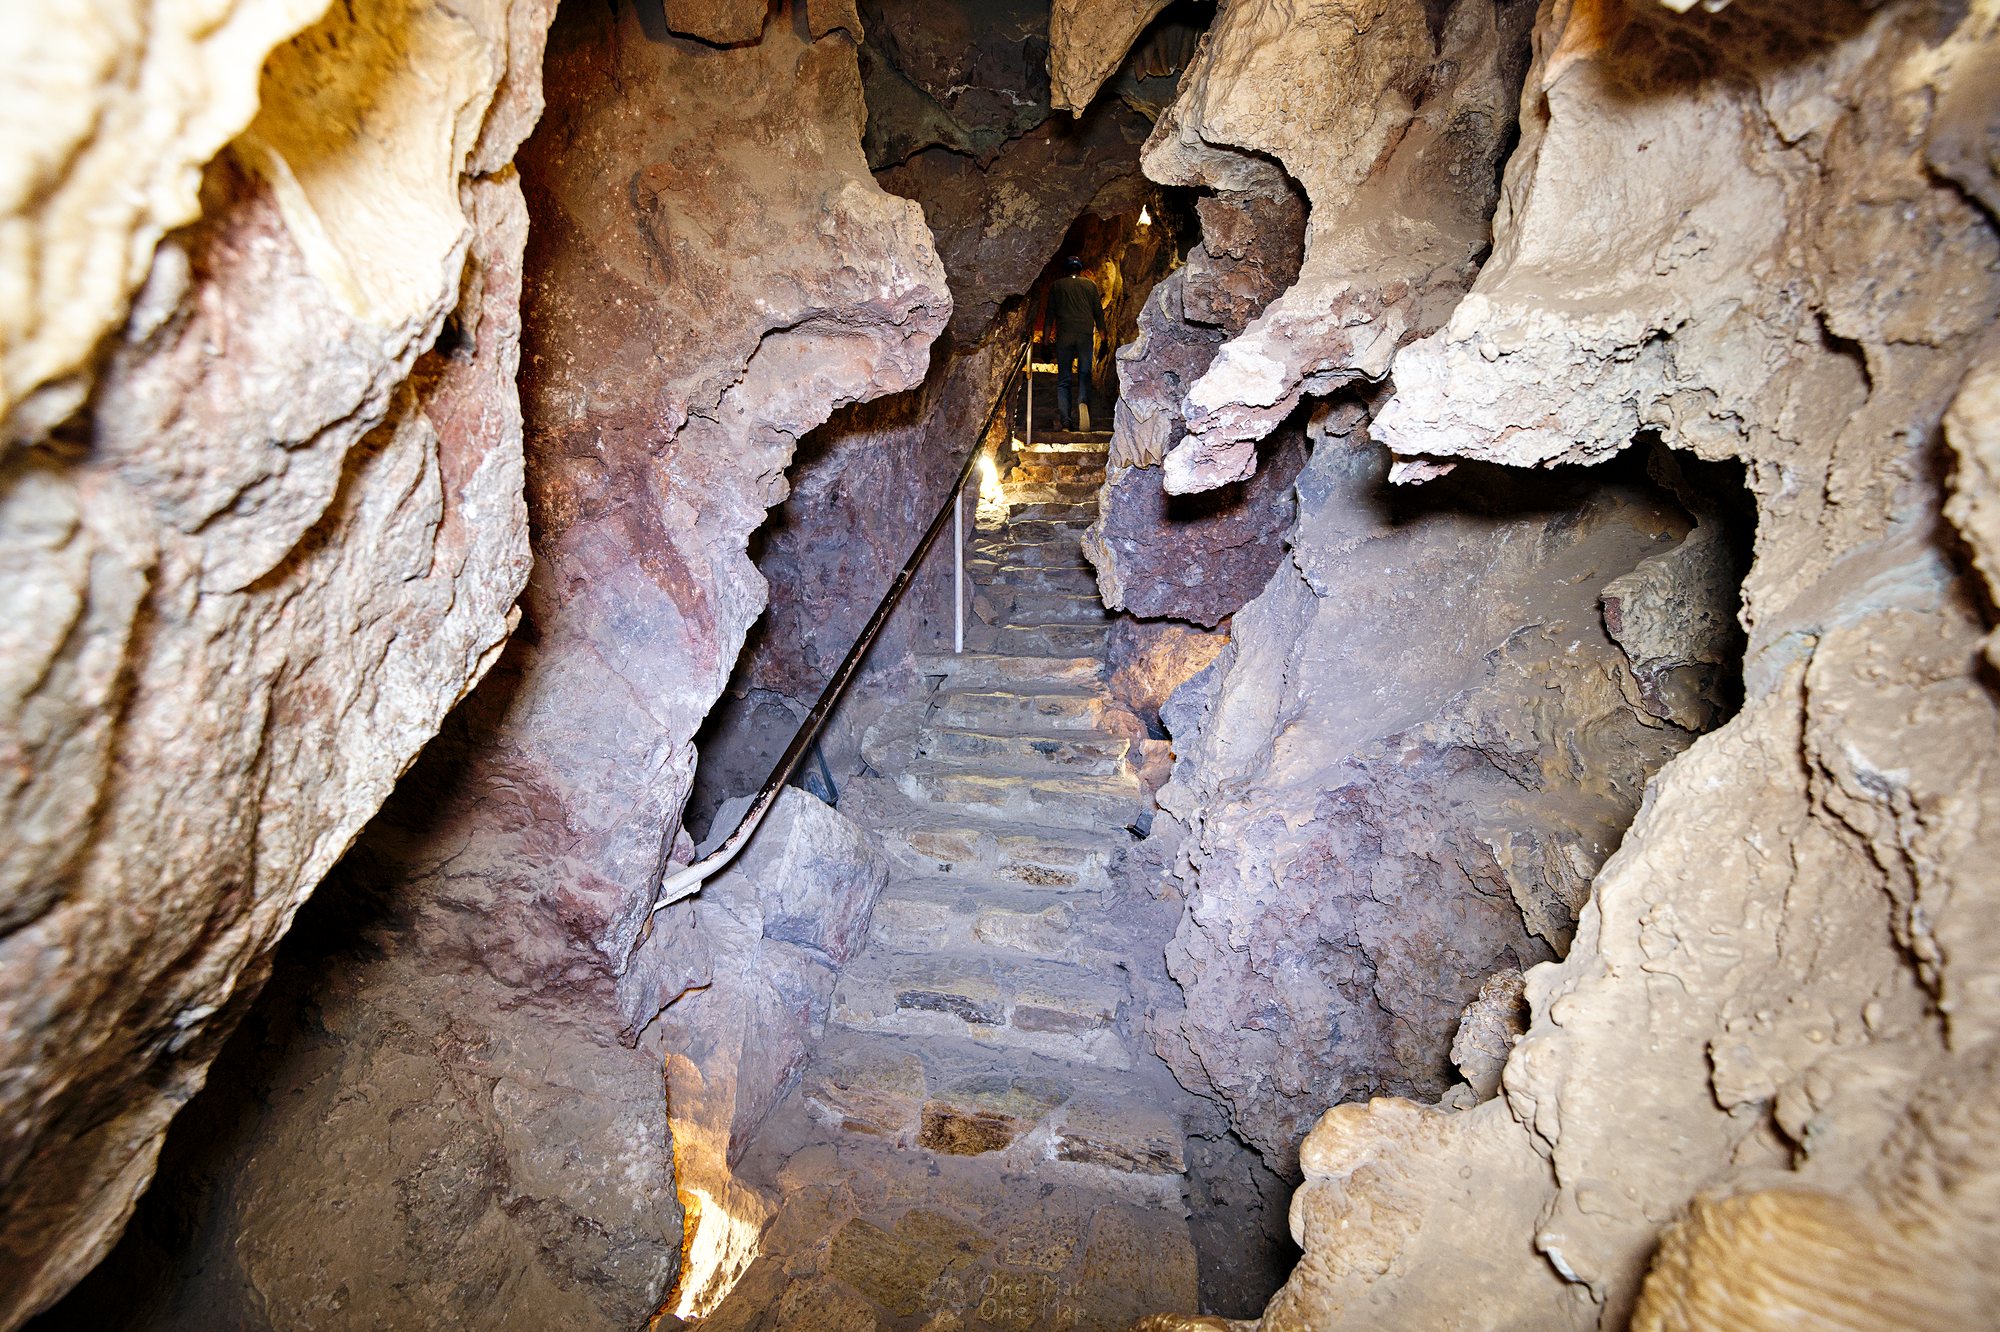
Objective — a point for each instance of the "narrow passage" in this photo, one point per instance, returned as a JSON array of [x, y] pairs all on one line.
[[983, 1140]]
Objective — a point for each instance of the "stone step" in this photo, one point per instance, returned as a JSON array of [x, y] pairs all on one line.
[[1076, 581], [1073, 753], [1056, 801], [1049, 492], [1000, 711], [1029, 554], [1058, 512], [1084, 459], [1050, 1008], [964, 845], [1064, 471], [954, 1097], [1067, 441], [1029, 529], [1054, 640], [1033, 605], [987, 670], [928, 914]]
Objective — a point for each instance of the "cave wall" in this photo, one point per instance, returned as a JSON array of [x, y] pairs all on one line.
[[468, 1119], [1762, 236], [262, 522], [1399, 777]]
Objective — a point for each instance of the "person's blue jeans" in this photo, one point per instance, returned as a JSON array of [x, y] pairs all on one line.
[[1073, 363]]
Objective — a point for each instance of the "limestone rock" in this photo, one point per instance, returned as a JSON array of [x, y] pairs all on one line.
[[1491, 1024], [1088, 40], [766, 329], [1148, 660], [721, 22], [292, 542], [776, 929], [1972, 427], [1194, 557], [683, 330], [998, 225], [1421, 746], [1753, 1004], [1394, 133], [109, 124], [1198, 559]]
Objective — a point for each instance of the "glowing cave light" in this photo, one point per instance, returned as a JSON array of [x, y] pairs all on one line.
[[1145, 216], [989, 482]]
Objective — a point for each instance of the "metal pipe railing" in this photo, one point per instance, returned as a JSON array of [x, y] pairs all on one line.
[[690, 878]]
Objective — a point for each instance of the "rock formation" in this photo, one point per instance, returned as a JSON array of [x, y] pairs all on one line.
[[776, 930], [683, 333], [1199, 558], [1777, 997], [1395, 133], [1418, 747], [1087, 41], [1569, 594], [958, 120], [273, 530]]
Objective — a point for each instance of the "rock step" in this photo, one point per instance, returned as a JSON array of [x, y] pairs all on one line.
[[1029, 554], [926, 914], [1065, 520], [999, 711], [1056, 801], [1093, 461], [1035, 605], [1055, 512], [1029, 529], [1053, 640], [1050, 1008], [1076, 580], [963, 844], [1077, 752], [1049, 492], [956, 1098], [1065, 441], [986, 670], [1063, 471]]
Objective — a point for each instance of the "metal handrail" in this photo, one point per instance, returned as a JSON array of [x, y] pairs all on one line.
[[689, 878]]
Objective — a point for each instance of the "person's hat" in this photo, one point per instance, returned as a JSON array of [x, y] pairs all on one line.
[[1075, 265]]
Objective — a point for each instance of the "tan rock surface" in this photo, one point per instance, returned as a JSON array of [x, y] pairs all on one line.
[[108, 125], [280, 541], [1088, 40], [1394, 137], [1721, 227]]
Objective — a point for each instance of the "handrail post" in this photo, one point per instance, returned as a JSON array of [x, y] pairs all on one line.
[[958, 568], [1028, 421]]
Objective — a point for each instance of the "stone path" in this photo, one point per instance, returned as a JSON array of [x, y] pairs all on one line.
[[982, 1140]]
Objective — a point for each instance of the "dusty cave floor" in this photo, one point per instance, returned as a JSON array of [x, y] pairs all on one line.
[[983, 1141]]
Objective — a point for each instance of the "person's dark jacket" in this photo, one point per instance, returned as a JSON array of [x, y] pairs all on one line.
[[1075, 307]]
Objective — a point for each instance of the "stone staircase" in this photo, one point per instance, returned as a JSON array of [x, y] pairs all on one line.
[[982, 1140]]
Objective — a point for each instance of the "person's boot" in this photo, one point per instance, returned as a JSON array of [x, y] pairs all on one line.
[[1082, 417]]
